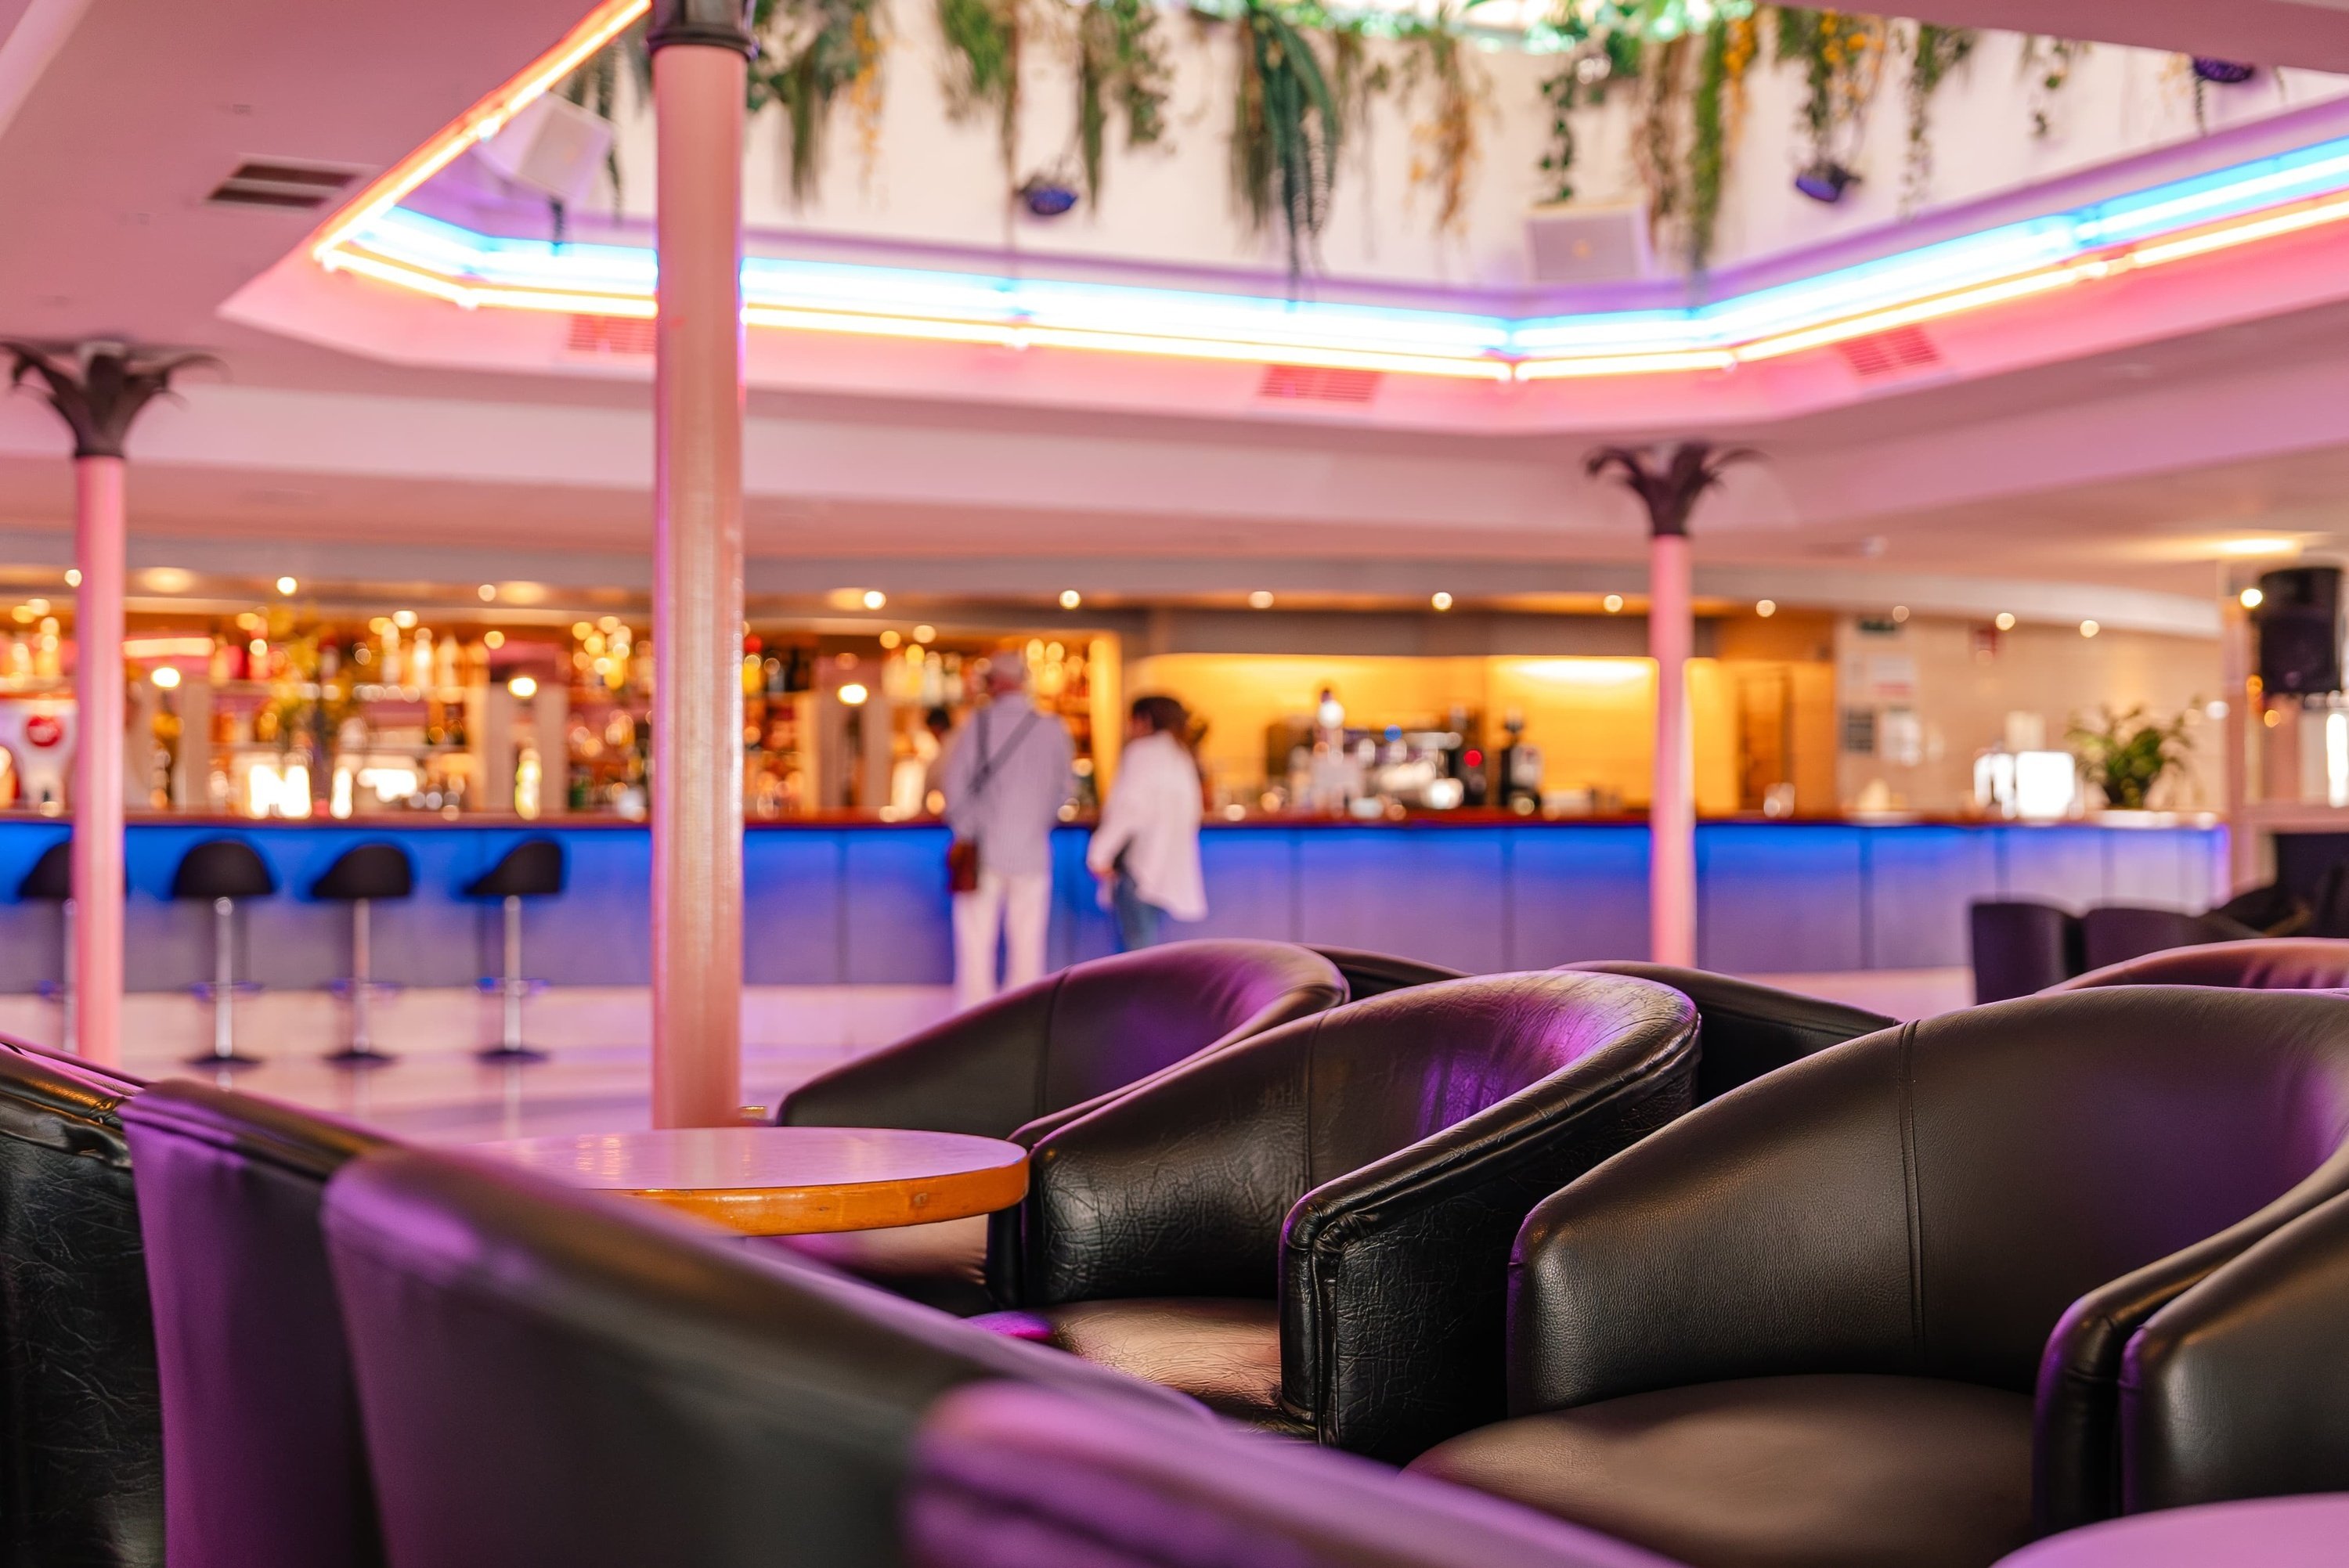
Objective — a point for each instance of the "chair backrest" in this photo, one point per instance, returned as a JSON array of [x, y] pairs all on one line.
[[1010, 1477], [51, 879], [1744, 1030], [2116, 932], [222, 868], [1994, 1196], [264, 1463], [549, 1375], [1052, 1049], [81, 1443], [2021, 947], [2268, 963], [1372, 975]]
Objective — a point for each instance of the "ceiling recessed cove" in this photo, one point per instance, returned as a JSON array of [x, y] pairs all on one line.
[[283, 182]]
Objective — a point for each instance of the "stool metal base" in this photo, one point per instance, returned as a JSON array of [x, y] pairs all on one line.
[[509, 1056], [360, 1057]]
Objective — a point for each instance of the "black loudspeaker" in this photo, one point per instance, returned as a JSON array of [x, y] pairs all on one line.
[[2299, 623]]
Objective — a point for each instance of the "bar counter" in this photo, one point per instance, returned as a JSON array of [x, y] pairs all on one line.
[[860, 902]]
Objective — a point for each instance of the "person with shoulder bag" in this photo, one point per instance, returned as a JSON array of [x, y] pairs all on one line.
[[1005, 774]]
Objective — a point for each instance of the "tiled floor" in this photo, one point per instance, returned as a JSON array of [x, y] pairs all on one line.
[[595, 1076]]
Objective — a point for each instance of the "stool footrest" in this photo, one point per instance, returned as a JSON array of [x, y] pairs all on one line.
[[343, 986], [208, 989]]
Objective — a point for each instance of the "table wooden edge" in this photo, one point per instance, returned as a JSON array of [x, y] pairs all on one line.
[[847, 1206]]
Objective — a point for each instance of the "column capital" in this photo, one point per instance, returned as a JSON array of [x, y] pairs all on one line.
[[100, 387], [709, 24], [1669, 479]]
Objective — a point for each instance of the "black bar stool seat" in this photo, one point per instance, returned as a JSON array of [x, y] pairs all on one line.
[[360, 875], [531, 868], [224, 871]]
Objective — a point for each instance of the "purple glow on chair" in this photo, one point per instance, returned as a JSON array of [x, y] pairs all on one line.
[[1007, 1476], [2267, 1533]]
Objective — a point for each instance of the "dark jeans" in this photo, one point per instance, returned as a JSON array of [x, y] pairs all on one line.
[[1137, 923]]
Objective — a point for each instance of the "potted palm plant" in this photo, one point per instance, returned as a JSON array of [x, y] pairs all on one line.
[[2126, 755]]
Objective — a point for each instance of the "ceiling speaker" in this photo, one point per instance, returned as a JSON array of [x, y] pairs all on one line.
[[1586, 243], [553, 146]]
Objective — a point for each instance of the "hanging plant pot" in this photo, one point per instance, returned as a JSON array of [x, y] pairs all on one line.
[[1046, 197], [2224, 73], [1826, 181]]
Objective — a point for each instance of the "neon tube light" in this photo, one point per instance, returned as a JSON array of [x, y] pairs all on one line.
[[378, 239]]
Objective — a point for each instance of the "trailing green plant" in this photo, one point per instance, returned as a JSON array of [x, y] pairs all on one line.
[[1841, 56], [1726, 53], [2047, 65], [1121, 59], [2127, 754], [1657, 146], [982, 40], [1355, 78], [1444, 158], [1286, 130], [1934, 53], [1599, 59], [810, 53]]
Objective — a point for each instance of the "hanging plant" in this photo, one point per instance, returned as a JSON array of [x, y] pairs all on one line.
[[1936, 52], [1286, 131], [2047, 66], [810, 52], [1841, 56], [1715, 111], [1598, 51], [1355, 79], [1444, 160], [982, 40], [1121, 60], [1656, 150]]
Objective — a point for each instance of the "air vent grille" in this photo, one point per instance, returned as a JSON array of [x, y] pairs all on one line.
[[1893, 353], [277, 184], [611, 334], [1317, 384]]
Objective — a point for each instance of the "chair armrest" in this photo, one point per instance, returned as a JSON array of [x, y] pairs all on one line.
[[2076, 1458], [1175, 1188], [1395, 1278], [978, 1072], [2238, 1388]]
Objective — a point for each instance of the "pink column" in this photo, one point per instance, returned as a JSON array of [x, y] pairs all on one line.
[[96, 793], [697, 783], [1672, 809]]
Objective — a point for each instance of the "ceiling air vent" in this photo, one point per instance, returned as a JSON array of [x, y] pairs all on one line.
[[1317, 384], [305, 186], [611, 334], [1893, 353]]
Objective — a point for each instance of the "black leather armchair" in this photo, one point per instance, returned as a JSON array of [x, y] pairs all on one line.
[[1873, 1307], [2116, 932], [1012, 1476], [554, 1377], [80, 1416], [2239, 1388], [1369, 974], [2267, 964], [1310, 1230], [1744, 1030], [264, 1463], [1039, 1056], [2021, 947]]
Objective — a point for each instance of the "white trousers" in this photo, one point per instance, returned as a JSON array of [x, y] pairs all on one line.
[[1016, 907]]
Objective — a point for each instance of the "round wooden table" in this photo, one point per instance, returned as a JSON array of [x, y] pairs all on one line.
[[789, 1181]]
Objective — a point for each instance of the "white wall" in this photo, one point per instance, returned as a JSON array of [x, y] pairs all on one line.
[[931, 182]]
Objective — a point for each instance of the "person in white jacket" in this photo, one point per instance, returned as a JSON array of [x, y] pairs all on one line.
[[1146, 848]]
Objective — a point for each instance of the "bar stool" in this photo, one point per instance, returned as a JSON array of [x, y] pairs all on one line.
[[51, 882], [359, 876], [531, 868], [224, 871]]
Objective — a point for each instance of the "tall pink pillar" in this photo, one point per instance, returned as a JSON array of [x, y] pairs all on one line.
[[96, 793], [1672, 810], [699, 60], [99, 389]]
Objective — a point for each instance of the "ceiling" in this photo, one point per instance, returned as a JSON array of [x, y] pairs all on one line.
[[2119, 471]]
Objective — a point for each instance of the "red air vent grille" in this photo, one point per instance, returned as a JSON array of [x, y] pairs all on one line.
[[1891, 352], [611, 334], [1317, 384]]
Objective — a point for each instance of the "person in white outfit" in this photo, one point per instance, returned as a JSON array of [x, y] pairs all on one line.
[[1146, 848], [1005, 774]]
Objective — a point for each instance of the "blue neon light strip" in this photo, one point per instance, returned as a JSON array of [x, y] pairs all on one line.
[[907, 295]]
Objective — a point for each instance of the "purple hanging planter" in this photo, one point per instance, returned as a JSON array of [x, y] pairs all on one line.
[[2224, 73]]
